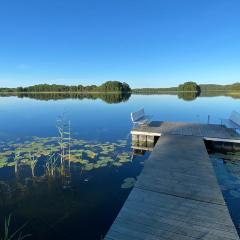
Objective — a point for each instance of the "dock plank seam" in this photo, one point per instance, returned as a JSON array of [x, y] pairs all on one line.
[[172, 209], [175, 195]]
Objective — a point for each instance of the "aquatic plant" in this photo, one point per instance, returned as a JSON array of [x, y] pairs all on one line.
[[228, 173], [117, 164], [29, 152], [18, 235], [58, 156], [89, 166], [124, 157], [64, 139], [128, 183], [17, 160], [51, 165], [69, 143], [33, 162]]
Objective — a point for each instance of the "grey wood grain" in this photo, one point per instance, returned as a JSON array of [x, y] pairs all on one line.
[[176, 196]]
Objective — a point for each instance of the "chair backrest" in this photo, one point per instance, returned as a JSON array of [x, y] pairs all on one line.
[[137, 115], [235, 117]]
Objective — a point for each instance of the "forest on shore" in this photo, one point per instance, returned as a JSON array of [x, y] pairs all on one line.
[[109, 86], [116, 86], [190, 87]]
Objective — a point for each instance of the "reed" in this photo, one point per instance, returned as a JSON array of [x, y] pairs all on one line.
[[16, 235], [17, 161], [33, 162], [51, 165], [64, 139]]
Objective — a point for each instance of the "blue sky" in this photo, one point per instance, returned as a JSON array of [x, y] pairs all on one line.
[[147, 43]]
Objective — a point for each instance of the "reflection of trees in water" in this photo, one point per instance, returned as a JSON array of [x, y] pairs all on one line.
[[188, 96], [106, 97], [120, 97], [235, 95]]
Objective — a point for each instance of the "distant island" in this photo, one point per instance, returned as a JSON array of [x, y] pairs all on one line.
[[190, 87], [109, 86]]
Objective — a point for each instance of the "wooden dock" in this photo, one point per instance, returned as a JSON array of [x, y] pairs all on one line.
[[176, 196], [145, 136], [158, 128]]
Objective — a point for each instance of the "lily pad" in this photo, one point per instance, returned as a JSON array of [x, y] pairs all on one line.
[[117, 164], [89, 166], [128, 183]]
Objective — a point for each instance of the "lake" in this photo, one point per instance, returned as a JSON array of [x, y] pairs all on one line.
[[66, 164]]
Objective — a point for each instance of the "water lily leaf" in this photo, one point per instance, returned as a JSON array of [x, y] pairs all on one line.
[[128, 183], [117, 164], [7, 153], [97, 165], [89, 166], [98, 154], [3, 162], [91, 154]]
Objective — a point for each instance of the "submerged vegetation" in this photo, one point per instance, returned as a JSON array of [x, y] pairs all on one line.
[[56, 170], [229, 185], [56, 157], [55, 153], [35, 168], [128, 183]]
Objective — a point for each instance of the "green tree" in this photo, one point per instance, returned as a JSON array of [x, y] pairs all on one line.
[[189, 87]]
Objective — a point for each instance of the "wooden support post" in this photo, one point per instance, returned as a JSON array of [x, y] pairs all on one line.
[[150, 141], [236, 147], [142, 140], [135, 140]]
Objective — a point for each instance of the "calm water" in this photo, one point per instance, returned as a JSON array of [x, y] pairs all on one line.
[[80, 197]]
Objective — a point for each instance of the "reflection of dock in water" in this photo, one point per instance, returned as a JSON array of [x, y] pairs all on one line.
[[177, 195]]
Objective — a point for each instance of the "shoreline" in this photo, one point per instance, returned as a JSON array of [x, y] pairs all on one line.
[[132, 92]]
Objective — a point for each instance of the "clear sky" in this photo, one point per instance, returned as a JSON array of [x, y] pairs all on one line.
[[146, 43]]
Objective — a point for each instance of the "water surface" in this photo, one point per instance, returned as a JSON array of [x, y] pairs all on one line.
[[80, 198]]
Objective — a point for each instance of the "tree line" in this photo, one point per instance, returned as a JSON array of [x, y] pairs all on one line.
[[216, 87], [115, 86], [189, 87], [109, 86], [185, 87]]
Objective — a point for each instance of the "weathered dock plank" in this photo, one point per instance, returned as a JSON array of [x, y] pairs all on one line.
[[185, 155], [176, 197]]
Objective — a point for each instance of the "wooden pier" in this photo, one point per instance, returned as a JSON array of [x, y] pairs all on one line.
[[146, 136], [176, 196]]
